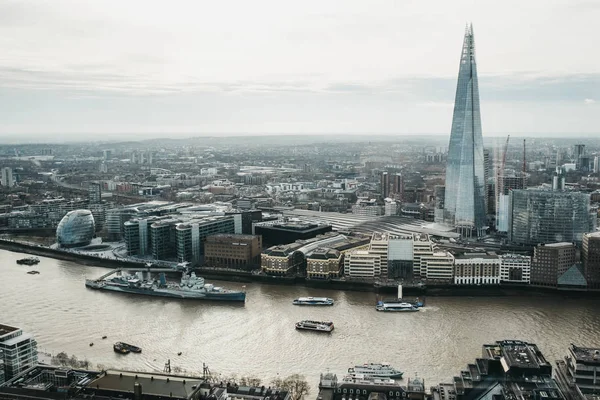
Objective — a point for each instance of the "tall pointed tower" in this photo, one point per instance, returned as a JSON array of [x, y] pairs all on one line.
[[464, 202]]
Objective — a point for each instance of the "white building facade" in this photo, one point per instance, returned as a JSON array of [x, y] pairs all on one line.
[[477, 269], [515, 268]]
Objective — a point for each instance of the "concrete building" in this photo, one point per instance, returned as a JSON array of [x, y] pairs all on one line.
[[7, 177], [477, 269], [422, 247], [233, 251], [330, 388], [362, 264], [578, 375], [550, 261], [95, 192], [437, 267], [283, 259], [367, 207], [390, 207], [19, 350], [324, 263], [515, 268], [379, 246], [590, 255]]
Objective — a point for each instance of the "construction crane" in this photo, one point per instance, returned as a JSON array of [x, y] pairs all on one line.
[[504, 156], [524, 159]]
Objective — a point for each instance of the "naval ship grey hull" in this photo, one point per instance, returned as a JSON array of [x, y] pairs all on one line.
[[167, 292]]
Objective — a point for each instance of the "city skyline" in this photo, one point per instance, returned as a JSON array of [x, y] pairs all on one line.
[[190, 70]]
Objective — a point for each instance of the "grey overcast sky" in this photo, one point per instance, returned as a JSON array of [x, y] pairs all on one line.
[[187, 68]]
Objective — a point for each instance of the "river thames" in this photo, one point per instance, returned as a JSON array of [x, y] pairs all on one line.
[[259, 338]]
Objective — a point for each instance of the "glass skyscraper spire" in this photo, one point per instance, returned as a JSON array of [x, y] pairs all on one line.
[[464, 204]]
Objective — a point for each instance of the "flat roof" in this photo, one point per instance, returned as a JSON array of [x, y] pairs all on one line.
[[155, 384], [586, 354], [6, 329]]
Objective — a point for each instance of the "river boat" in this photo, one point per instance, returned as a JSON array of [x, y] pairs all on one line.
[[190, 287], [313, 301], [28, 261], [120, 348], [374, 370], [131, 348], [317, 326], [395, 306], [33, 272]]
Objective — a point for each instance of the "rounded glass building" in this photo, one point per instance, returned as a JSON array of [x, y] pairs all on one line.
[[76, 229]]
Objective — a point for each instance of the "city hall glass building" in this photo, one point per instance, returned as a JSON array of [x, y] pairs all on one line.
[[547, 216], [464, 199], [76, 229]]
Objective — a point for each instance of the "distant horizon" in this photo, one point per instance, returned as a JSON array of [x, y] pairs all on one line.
[[135, 137]]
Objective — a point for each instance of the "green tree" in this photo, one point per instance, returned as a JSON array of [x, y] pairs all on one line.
[[296, 384]]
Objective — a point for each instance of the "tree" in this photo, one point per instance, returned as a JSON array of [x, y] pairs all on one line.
[[296, 384], [250, 381], [61, 358]]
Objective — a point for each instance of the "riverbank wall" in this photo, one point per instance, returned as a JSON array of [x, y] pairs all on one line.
[[333, 284]]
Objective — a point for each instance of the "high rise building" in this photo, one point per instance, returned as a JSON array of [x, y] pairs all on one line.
[[18, 349], [95, 192], [590, 254], [547, 216], [7, 177], [385, 184], [464, 203]]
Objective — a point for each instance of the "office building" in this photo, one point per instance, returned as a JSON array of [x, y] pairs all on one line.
[[477, 269], [464, 202], [76, 229], [439, 192], [400, 258], [324, 263], [191, 235], [422, 247], [19, 350], [578, 374], [546, 216], [233, 251], [385, 184], [590, 254], [95, 192], [283, 259], [515, 268], [330, 388], [379, 246], [550, 261], [289, 232], [7, 177], [506, 184], [362, 264], [437, 267]]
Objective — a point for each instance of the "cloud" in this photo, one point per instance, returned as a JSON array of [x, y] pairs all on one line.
[[589, 101]]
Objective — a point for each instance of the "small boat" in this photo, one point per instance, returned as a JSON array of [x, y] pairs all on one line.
[[91, 344], [104, 337], [179, 353], [33, 272], [395, 306], [313, 301], [317, 326], [132, 348], [375, 370], [120, 348], [28, 261]]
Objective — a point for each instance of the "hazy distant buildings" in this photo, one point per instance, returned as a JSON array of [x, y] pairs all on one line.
[[7, 177], [95, 192], [464, 202], [546, 216]]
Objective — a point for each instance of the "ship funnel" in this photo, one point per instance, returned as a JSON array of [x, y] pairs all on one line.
[[399, 291]]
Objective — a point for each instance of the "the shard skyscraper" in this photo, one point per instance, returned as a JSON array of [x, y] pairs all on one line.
[[464, 204]]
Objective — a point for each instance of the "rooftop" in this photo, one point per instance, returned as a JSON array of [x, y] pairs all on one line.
[[5, 329], [152, 383], [586, 354]]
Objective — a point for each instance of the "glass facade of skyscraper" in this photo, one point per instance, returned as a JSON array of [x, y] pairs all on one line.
[[547, 216], [464, 203]]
